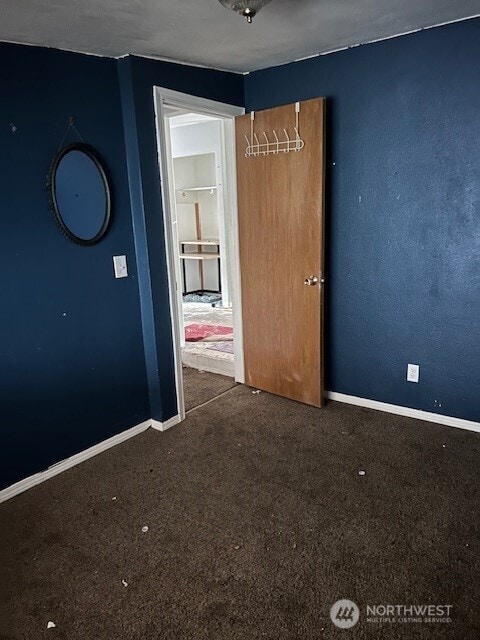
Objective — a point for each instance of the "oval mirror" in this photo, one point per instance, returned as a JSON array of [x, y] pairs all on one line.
[[79, 194]]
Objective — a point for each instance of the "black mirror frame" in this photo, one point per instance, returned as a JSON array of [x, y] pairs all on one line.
[[91, 153]]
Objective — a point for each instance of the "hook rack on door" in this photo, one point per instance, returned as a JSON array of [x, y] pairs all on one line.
[[257, 148]]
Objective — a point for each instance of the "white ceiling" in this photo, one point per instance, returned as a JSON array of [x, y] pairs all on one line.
[[203, 32]]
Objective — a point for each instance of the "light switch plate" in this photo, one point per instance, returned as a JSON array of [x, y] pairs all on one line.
[[413, 372], [120, 266]]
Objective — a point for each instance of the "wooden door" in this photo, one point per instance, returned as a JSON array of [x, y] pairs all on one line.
[[281, 230]]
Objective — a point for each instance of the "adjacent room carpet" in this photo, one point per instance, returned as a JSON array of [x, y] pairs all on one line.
[[199, 387], [258, 521], [204, 298]]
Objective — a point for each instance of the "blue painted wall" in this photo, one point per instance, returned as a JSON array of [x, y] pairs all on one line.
[[83, 356], [403, 213], [72, 366], [403, 222], [138, 76]]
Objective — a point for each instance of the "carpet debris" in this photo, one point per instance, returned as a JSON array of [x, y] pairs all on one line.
[[50, 624], [125, 583], [144, 529], [362, 472], [257, 391]]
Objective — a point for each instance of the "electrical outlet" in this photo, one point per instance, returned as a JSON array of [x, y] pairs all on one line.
[[120, 266], [413, 372]]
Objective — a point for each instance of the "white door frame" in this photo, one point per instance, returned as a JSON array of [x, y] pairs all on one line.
[[226, 112]]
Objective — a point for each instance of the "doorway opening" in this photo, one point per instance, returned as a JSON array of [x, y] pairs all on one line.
[[196, 155], [197, 162]]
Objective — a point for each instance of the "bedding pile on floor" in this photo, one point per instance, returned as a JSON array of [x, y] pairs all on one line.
[[223, 347], [195, 332]]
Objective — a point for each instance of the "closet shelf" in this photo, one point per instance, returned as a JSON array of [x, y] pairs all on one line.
[[199, 256], [210, 242], [209, 188]]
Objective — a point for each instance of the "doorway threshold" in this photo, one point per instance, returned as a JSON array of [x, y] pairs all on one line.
[[200, 355]]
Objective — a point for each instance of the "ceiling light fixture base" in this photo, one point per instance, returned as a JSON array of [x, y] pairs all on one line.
[[246, 8]]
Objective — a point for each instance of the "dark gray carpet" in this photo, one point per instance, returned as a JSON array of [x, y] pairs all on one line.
[[258, 522], [200, 387]]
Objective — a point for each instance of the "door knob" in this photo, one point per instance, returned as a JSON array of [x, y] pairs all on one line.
[[311, 282]]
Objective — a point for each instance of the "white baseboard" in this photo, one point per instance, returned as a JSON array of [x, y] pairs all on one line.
[[449, 421], [163, 426], [31, 481]]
